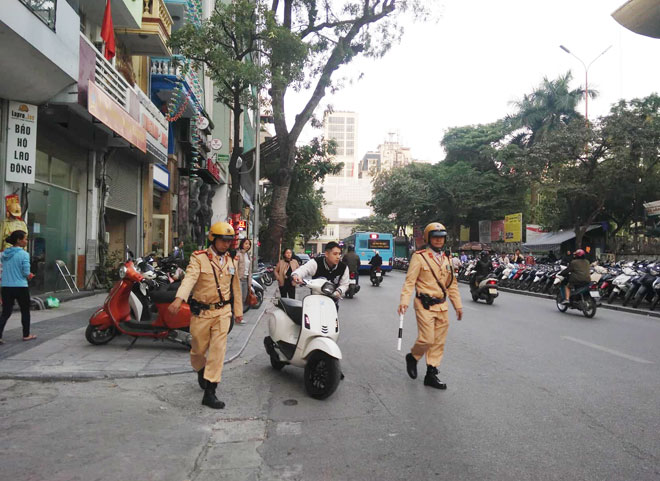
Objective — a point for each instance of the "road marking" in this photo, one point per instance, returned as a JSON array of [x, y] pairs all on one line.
[[608, 350]]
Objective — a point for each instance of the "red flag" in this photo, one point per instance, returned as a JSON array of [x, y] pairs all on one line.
[[108, 33]]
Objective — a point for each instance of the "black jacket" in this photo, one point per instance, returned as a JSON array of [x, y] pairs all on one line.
[[376, 261]]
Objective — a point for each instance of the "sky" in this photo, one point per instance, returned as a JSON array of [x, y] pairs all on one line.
[[481, 55]]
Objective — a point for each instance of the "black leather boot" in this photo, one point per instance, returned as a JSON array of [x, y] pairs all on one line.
[[209, 397], [200, 379], [411, 365], [431, 378]]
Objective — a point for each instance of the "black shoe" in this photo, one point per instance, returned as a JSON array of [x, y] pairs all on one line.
[[209, 397], [431, 378], [411, 366], [203, 383]]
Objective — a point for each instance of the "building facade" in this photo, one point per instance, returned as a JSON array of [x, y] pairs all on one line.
[[126, 153]]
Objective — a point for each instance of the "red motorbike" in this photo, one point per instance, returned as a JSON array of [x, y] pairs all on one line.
[[117, 316]]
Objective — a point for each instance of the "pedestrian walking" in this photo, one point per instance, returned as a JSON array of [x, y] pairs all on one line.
[[15, 276], [211, 277], [431, 275], [283, 271], [245, 268]]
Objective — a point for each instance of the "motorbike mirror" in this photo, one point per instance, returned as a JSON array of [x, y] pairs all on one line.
[[328, 289]]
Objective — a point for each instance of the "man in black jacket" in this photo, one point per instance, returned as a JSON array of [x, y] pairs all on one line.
[[482, 269]]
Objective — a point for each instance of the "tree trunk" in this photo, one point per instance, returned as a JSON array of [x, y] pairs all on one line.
[[278, 220], [235, 199]]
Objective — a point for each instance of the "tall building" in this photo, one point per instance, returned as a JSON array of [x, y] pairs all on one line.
[[342, 127], [346, 194], [389, 155]]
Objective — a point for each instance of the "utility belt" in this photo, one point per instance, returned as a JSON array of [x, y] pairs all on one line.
[[428, 301], [197, 307]]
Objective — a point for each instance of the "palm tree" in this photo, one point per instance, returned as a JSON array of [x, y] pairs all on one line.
[[550, 105]]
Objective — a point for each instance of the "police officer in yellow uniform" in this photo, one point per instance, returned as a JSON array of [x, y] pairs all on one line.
[[431, 275], [211, 277]]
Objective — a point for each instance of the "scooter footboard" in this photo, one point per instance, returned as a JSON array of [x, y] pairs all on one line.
[[322, 344], [101, 318]]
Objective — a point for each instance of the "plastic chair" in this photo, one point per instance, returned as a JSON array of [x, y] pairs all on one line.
[[69, 279]]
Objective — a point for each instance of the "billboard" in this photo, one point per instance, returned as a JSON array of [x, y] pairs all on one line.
[[497, 231], [652, 208], [465, 233], [513, 228], [484, 231], [533, 232]]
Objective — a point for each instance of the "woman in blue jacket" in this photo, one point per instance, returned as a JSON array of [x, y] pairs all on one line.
[[15, 276]]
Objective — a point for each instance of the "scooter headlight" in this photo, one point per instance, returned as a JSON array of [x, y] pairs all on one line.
[[122, 272]]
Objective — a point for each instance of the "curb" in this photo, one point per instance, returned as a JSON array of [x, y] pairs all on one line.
[[108, 375], [612, 307]]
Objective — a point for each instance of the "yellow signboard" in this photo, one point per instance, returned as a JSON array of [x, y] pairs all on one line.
[[513, 228], [465, 233]]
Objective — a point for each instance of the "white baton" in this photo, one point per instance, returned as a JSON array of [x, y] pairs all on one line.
[[398, 345]]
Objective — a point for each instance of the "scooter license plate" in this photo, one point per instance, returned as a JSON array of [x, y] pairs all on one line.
[[378, 274], [594, 294], [492, 291], [352, 281]]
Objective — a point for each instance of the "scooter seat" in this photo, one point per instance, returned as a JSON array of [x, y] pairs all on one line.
[[165, 294], [292, 308]]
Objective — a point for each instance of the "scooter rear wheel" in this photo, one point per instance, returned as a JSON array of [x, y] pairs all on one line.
[[589, 309], [322, 375], [97, 336]]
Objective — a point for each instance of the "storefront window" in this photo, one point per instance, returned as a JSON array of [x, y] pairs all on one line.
[[59, 173], [52, 234], [42, 167]]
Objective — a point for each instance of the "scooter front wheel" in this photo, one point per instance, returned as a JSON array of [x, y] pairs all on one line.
[[322, 375], [97, 336], [561, 307]]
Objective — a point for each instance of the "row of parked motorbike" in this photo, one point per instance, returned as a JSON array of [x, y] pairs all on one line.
[[137, 303], [635, 284]]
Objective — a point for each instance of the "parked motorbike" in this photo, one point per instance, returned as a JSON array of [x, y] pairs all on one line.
[[259, 292], [353, 286], [645, 290], [122, 312], [376, 276], [304, 334]]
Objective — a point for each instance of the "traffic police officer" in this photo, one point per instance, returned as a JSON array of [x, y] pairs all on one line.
[[211, 277], [431, 275]]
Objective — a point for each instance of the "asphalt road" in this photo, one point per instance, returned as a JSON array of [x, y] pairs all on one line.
[[533, 395]]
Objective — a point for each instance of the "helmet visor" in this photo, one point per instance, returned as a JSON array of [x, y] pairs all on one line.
[[437, 233]]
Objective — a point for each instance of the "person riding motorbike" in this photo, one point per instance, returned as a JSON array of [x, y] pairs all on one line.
[[329, 267], [483, 267], [576, 275], [376, 261], [352, 260]]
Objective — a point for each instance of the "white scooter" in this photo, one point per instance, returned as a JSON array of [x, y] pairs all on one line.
[[304, 334]]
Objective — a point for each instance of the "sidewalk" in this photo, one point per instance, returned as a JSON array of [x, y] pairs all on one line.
[[61, 351]]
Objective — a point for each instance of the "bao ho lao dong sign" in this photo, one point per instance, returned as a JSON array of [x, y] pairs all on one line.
[[21, 143]]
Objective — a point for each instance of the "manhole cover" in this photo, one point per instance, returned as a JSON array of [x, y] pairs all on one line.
[[290, 402]]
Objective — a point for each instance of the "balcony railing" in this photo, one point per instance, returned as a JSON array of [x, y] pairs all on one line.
[[108, 79], [174, 66], [155, 9], [44, 9]]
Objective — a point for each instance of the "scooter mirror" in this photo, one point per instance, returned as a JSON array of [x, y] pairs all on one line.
[[328, 289]]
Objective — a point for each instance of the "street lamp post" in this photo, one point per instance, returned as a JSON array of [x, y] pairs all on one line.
[[586, 76]]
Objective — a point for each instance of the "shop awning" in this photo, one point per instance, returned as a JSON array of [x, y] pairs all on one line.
[[551, 240]]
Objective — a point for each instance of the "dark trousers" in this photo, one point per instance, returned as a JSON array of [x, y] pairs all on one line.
[[9, 294], [287, 290]]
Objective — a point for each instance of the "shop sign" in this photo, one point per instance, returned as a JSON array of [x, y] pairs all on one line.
[[216, 144], [484, 231], [161, 177], [513, 228], [101, 106], [155, 127], [533, 232], [21, 142], [213, 169], [652, 208]]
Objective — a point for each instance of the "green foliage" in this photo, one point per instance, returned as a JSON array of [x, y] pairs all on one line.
[[375, 223], [225, 44]]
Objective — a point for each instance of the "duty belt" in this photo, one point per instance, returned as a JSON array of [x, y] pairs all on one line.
[[428, 301], [210, 307]]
